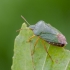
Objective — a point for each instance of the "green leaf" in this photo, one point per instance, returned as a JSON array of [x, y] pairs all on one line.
[[40, 60]]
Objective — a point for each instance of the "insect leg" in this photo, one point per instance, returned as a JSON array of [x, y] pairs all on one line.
[[30, 38], [35, 45], [32, 57], [18, 30], [47, 50], [32, 51]]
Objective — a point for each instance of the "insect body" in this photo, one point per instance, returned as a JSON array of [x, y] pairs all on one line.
[[48, 33]]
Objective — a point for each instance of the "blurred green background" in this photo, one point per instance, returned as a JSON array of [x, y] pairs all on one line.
[[55, 12]]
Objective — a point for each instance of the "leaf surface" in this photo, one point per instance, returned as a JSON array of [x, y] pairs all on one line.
[[40, 60]]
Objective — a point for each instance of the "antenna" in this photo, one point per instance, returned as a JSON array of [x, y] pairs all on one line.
[[25, 20]]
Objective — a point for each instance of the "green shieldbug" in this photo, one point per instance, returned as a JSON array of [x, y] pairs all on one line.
[[47, 33]]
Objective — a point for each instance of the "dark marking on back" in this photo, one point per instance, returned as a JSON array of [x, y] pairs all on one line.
[[56, 44]]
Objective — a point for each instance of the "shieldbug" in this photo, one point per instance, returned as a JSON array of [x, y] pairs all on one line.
[[47, 33]]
